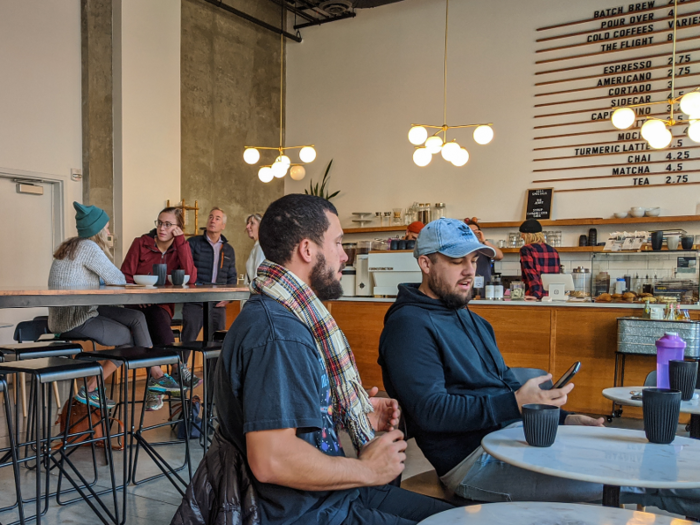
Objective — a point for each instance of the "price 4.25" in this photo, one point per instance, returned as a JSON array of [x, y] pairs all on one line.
[[676, 179]]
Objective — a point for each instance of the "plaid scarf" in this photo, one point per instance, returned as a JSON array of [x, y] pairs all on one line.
[[349, 400]]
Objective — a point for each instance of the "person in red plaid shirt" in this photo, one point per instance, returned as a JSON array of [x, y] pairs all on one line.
[[536, 258]]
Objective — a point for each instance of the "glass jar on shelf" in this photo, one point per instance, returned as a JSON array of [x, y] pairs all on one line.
[[513, 239], [438, 211], [426, 213]]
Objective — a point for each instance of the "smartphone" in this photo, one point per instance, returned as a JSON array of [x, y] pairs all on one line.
[[568, 375]]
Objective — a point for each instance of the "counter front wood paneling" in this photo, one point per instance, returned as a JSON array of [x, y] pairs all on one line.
[[550, 338], [362, 324], [522, 334]]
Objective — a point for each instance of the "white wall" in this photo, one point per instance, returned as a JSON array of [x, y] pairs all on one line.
[[146, 114], [355, 86], [40, 101]]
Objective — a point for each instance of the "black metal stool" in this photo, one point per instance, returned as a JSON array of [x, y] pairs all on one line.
[[11, 452], [23, 351], [135, 358], [208, 351], [44, 371]]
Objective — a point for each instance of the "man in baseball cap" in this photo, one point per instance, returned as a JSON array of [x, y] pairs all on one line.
[[441, 362]]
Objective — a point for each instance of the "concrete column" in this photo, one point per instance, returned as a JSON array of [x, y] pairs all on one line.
[[230, 98], [146, 70], [96, 54]]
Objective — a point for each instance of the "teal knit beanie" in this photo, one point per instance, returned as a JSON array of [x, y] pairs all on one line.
[[89, 219]]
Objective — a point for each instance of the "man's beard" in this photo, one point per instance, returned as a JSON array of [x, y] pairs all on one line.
[[449, 298], [323, 282]]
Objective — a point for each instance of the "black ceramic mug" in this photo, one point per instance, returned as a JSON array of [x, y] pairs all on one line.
[[687, 242], [178, 277], [592, 237], [682, 376], [582, 240], [657, 240], [661, 408], [161, 270], [540, 423]]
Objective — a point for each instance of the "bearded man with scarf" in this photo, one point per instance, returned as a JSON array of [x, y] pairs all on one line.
[[287, 384]]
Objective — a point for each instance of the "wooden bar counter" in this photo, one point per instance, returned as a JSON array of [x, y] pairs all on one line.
[[534, 335]]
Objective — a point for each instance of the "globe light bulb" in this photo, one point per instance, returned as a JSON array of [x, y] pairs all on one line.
[[483, 134], [694, 130], [265, 174], [307, 154], [433, 144], [422, 157], [623, 118], [449, 150], [661, 139], [251, 155], [652, 128], [279, 169], [460, 158], [417, 135], [284, 160], [690, 104], [297, 172]]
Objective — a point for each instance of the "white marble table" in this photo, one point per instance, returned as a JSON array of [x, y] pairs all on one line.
[[538, 513], [621, 395], [612, 456]]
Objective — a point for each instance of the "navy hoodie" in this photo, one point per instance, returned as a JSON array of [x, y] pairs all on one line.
[[444, 368]]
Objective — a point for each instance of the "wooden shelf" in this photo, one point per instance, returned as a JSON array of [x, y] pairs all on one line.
[[563, 249], [593, 221], [596, 221], [376, 229]]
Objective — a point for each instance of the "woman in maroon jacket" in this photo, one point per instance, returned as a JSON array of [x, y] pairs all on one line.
[[166, 244]]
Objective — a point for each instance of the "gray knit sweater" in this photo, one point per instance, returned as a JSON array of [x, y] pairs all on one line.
[[85, 270]]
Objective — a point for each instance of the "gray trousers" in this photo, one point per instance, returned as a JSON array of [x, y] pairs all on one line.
[[193, 319], [114, 326]]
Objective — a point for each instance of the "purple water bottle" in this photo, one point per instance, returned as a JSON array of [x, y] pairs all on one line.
[[669, 347]]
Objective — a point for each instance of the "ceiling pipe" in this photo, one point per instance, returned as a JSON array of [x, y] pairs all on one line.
[[293, 9], [249, 18], [325, 21]]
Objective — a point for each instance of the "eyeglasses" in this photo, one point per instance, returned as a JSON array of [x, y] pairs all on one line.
[[164, 224]]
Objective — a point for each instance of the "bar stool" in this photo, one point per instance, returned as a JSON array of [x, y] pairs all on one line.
[[11, 451], [209, 352], [23, 351], [47, 370], [133, 359]]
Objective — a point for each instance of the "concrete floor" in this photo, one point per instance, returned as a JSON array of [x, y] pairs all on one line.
[[155, 502]]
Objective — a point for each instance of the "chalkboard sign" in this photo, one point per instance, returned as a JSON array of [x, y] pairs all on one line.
[[539, 203]]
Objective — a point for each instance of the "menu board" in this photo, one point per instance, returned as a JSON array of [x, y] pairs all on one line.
[[619, 56], [539, 203]]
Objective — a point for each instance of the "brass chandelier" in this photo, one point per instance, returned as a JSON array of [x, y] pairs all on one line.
[[426, 147], [282, 163], [657, 131]]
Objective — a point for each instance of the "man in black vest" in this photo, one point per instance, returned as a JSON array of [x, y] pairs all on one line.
[[215, 260]]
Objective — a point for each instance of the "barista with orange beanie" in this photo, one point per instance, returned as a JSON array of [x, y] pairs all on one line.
[[412, 230]]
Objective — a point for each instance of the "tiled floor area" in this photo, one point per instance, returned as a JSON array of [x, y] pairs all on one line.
[[155, 502]]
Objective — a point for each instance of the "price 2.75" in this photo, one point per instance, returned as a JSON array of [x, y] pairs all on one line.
[[676, 179]]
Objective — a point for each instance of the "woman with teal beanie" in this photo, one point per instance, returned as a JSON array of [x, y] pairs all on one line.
[[86, 261]]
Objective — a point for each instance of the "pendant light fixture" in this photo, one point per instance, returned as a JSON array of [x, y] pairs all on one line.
[[282, 164], [427, 146], [657, 131]]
